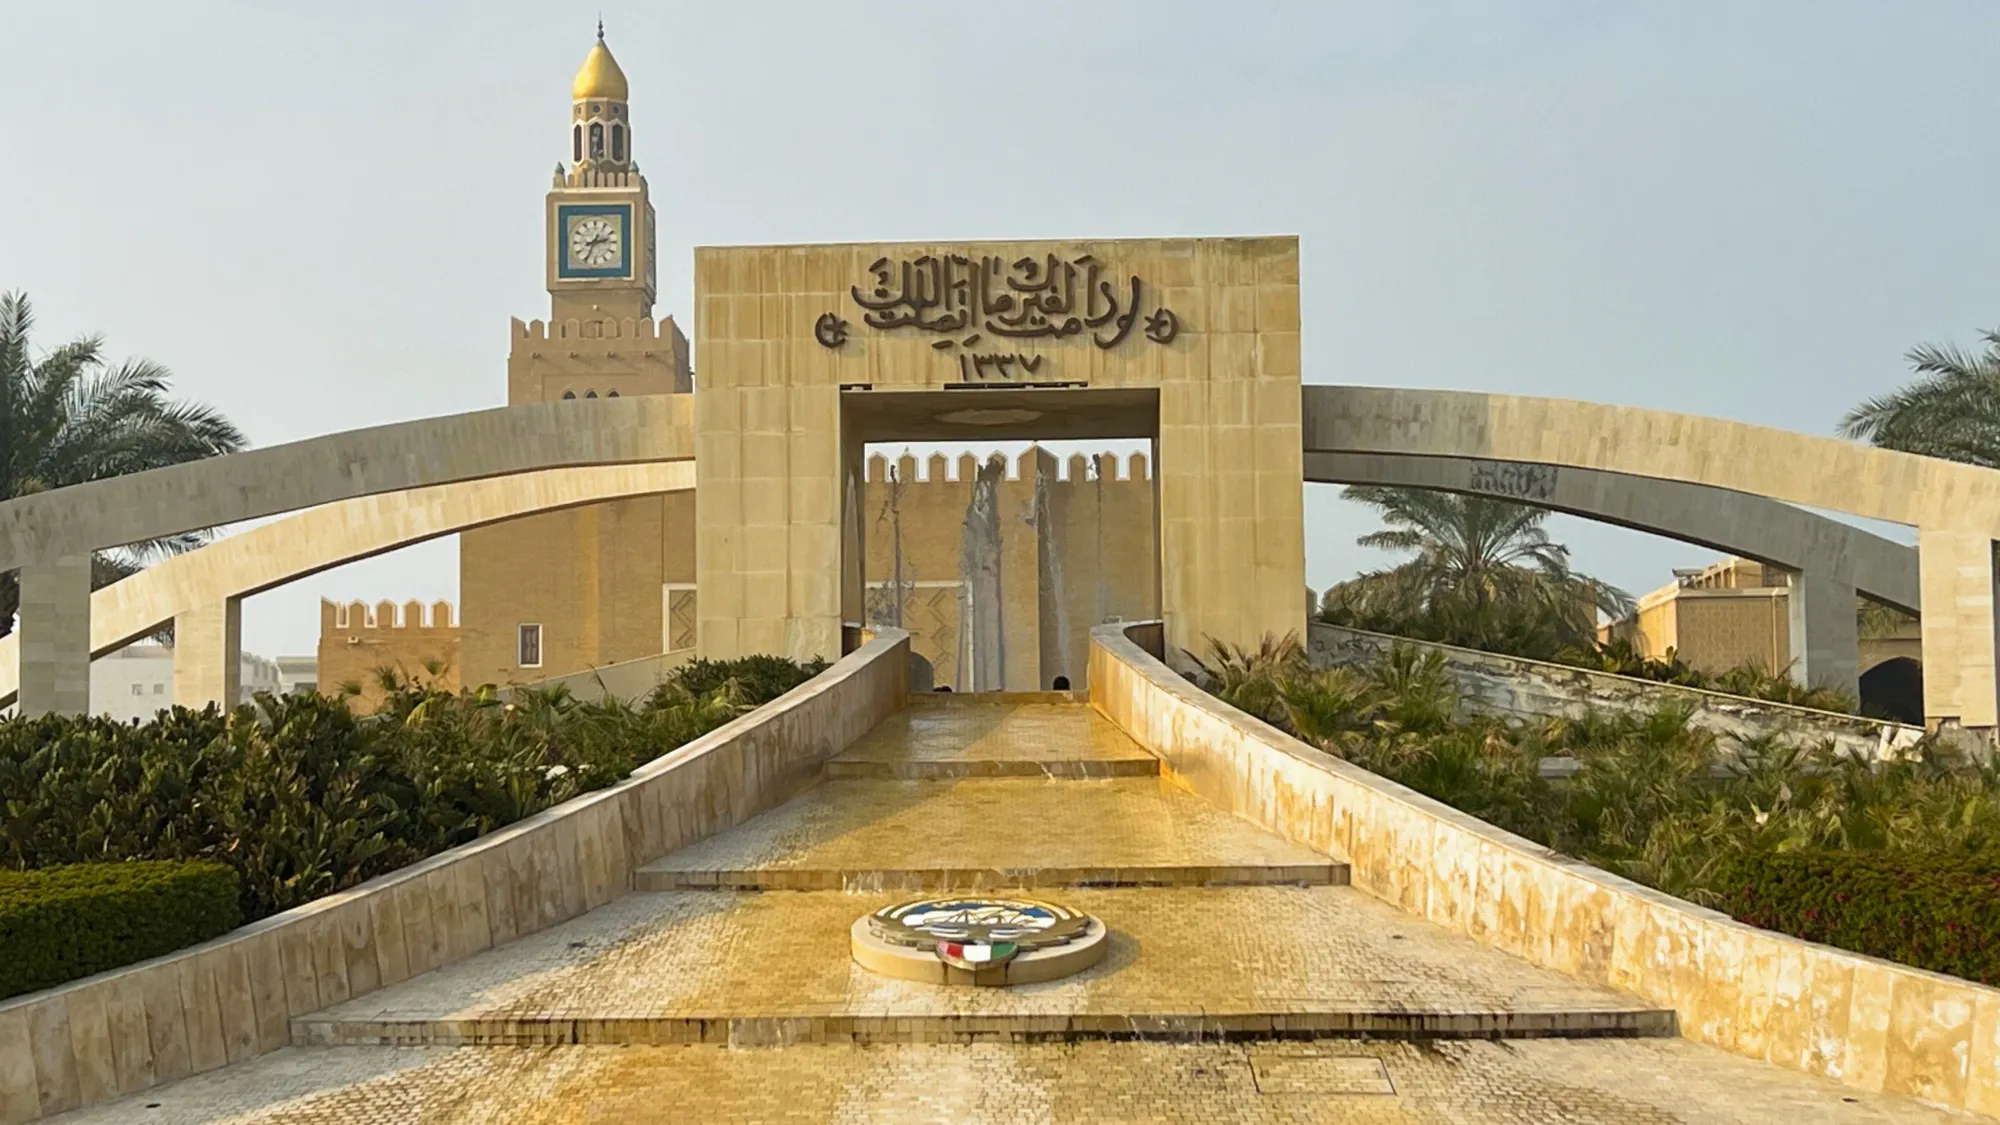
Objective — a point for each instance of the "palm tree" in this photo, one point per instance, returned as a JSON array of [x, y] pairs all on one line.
[[1485, 574], [71, 416], [1952, 410]]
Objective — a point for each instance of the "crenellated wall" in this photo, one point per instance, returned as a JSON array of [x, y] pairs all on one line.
[[357, 641], [999, 567], [629, 356]]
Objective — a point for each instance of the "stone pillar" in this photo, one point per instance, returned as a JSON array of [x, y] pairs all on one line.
[[55, 637], [1958, 628], [208, 655], [1826, 637], [1231, 469]]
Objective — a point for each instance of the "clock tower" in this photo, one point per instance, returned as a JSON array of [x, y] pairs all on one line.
[[566, 591], [600, 222]]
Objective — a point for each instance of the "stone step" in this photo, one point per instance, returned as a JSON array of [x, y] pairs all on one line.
[[665, 877], [1252, 1023], [1041, 735], [840, 831], [1181, 963], [1049, 769]]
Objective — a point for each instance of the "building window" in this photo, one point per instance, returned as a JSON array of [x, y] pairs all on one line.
[[138, 689], [159, 689], [618, 142], [596, 141], [590, 394], [529, 645], [611, 394], [569, 394], [576, 143]]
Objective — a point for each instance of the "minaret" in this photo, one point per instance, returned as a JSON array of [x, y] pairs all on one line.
[[601, 235]]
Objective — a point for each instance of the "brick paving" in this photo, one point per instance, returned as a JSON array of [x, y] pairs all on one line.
[[1584, 1082]]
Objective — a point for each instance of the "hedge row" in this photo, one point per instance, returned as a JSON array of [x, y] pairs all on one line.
[[61, 923], [302, 798], [1930, 911]]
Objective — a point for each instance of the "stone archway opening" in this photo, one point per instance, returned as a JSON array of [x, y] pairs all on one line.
[[1894, 689], [1000, 563]]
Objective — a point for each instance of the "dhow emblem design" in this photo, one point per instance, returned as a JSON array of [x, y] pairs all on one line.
[[977, 939]]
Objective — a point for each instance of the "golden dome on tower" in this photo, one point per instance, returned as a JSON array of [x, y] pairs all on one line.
[[600, 76]]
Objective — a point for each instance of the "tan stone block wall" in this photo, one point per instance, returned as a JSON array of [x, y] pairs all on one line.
[[592, 577], [1070, 550], [769, 436], [1868, 1023], [357, 641], [233, 998], [1103, 524]]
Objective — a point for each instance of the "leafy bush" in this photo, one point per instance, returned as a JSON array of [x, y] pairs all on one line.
[[757, 677], [1752, 681], [302, 798], [1648, 800], [62, 923], [1524, 631], [1937, 912]]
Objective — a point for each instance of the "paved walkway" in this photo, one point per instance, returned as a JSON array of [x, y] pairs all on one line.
[[1465, 1082], [709, 994], [687, 965]]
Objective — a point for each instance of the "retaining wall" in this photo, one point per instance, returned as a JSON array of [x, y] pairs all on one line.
[[1868, 1023], [233, 998], [1535, 689], [629, 680]]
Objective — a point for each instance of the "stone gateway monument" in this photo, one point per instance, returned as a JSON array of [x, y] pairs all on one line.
[[1138, 859], [809, 353]]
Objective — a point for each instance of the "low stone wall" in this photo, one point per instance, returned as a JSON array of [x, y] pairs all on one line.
[[1534, 689], [1868, 1023], [234, 998], [628, 680]]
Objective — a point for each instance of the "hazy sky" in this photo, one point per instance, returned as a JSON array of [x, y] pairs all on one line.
[[321, 216]]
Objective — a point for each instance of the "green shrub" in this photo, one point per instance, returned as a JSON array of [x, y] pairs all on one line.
[[1936, 912], [58, 924], [759, 679], [303, 798]]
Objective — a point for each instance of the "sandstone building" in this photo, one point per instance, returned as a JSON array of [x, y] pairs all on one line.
[[1736, 612]]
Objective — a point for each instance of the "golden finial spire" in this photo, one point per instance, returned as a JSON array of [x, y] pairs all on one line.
[[600, 76]]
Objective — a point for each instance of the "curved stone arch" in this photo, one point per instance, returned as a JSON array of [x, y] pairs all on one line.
[[1754, 527], [1831, 561], [1955, 507], [258, 483], [324, 537]]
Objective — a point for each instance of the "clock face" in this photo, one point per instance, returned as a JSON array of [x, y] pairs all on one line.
[[596, 243]]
